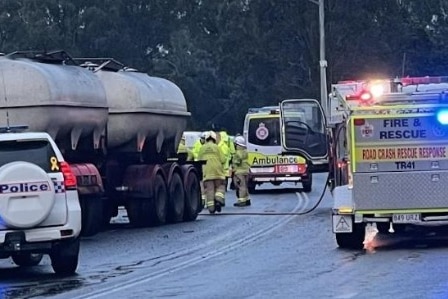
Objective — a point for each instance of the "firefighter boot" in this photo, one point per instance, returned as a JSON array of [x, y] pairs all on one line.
[[211, 207], [242, 202], [218, 206]]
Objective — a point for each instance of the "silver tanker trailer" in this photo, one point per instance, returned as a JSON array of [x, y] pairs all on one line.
[[118, 128]]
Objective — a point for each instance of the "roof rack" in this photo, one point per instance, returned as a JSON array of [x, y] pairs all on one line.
[[107, 64], [56, 56]]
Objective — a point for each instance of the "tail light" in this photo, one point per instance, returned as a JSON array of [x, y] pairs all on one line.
[[359, 121], [69, 177]]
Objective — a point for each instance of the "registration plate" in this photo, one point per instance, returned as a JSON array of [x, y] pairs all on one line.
[[287, 168], [406, 218]]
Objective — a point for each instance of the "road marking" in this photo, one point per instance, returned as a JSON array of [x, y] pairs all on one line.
[[246, 240]]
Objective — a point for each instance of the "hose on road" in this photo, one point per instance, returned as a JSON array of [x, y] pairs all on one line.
[[276, 213]]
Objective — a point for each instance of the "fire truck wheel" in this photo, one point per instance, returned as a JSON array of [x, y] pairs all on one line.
[[353, 240]]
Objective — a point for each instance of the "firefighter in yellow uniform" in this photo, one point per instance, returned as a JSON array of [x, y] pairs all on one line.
[[183, 150], [240, 167], [197, 145], [195, 151], [213, 173], [225, 149]]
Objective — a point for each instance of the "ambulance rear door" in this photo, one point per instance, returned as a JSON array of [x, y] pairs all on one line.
[[303, 131]]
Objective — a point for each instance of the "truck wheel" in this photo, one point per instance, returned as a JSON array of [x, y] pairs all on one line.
[[92, 212], [353, 240], [308, 183], [27, 259], [176, 199], [193, 202], [109, 211], [64, 258], [138, 211], [158, 209]]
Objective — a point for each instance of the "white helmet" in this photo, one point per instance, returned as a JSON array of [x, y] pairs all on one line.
[[204, 135], [239, 140], [211, 135]]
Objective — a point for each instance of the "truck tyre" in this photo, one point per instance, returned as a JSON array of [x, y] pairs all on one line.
[[91, 213], [176, 199], [193, 202], [64, 258], [109, 211], [158, 202], [138, 210], [308, 183], [27, 259], [353, 240]]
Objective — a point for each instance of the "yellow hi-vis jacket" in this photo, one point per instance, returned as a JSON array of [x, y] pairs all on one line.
[[225, 149], [213, 168], [240, 164], [182, 149], [196, 148]]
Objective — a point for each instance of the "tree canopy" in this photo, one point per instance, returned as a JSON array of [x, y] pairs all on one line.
[[229, 55]]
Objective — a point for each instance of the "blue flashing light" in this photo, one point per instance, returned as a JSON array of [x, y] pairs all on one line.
[[442, 117]]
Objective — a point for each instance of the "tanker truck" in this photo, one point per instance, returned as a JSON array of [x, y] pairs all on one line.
[[117, 127]]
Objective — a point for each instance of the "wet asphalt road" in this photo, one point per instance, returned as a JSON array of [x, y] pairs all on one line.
[[243, 257]]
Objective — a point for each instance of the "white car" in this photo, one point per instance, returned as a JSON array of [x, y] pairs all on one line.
[[39, 206]]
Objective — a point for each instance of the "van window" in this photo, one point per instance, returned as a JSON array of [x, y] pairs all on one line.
[[38, 152], [264, 131]]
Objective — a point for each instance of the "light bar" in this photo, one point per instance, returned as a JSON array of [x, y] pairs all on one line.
[[423, 80], [442, 117]]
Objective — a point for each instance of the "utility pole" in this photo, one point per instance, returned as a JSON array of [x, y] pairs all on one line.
[[322, 61]]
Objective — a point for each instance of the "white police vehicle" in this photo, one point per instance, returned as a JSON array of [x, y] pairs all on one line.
[[39, 206]]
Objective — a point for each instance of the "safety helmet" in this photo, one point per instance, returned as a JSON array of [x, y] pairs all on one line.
[[239, 140], [211, 135], [204, 135]]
